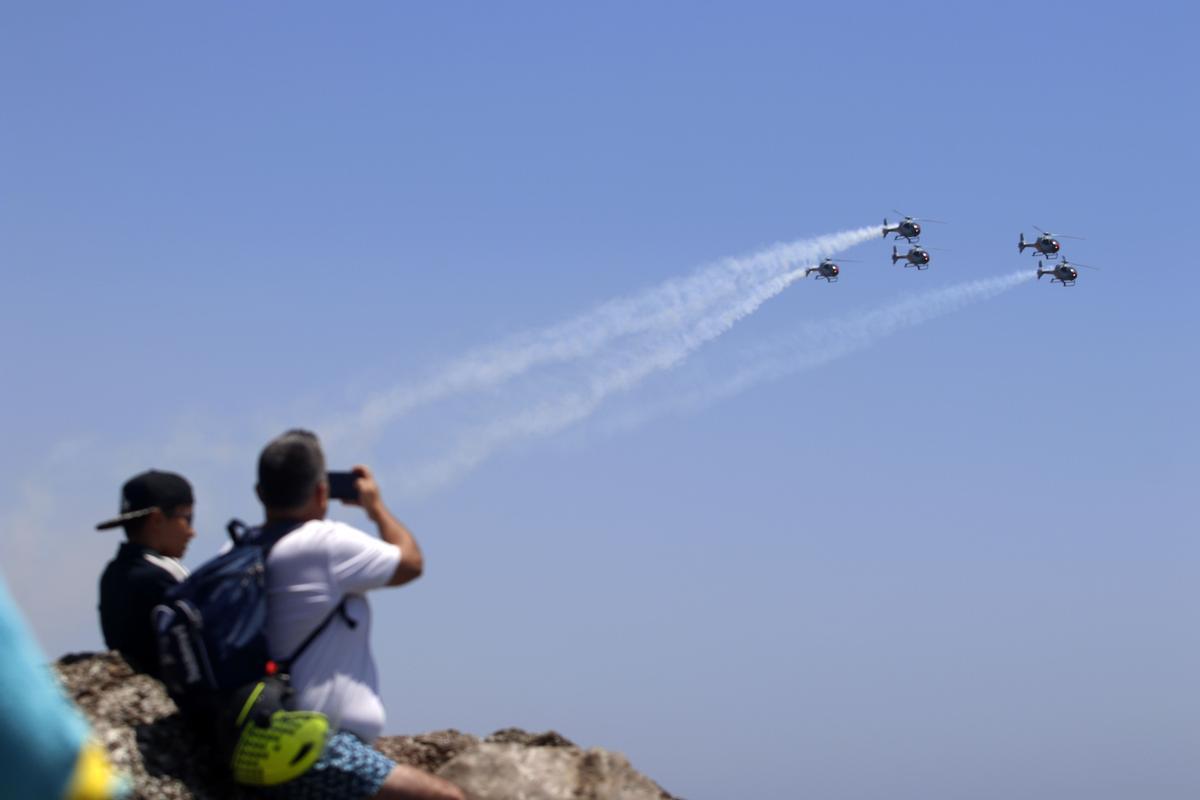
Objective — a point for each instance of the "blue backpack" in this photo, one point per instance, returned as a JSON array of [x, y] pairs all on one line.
[[212, 639]]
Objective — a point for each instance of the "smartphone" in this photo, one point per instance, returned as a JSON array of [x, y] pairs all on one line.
[[342, 485]]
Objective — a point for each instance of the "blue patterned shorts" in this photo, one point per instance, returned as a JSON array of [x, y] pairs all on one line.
[[349, 769]]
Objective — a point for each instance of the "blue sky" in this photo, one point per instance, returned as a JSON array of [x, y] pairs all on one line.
[[957, 561]]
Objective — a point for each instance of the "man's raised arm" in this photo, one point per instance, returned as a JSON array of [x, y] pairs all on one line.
[[391, 530]]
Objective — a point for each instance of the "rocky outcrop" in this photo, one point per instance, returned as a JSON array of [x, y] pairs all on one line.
[[495, 771], [139, 725]]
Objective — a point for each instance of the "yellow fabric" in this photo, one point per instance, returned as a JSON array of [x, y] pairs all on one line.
[[94, 778]]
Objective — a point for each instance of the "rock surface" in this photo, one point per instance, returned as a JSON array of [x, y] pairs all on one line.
[[493, 771], [137, 722]]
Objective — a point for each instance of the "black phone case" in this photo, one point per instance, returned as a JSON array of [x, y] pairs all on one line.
[[343, 486]]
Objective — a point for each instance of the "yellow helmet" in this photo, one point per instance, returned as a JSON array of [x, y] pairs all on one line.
[[275, 745]]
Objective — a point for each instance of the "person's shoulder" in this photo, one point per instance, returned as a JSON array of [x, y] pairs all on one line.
[[113, 568], [328, 529], [320, 534], [171, 568], [113, 580], [140, 580], [140, 566]]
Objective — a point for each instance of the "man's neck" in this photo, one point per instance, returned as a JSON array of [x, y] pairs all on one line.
[[288, 518]]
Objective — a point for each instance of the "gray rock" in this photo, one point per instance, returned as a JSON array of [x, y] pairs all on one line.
[[140, 726], [144, 734], [427, 751], [512, 771], [518, 736]]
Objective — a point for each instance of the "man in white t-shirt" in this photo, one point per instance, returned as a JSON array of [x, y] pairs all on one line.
[[310, 571]]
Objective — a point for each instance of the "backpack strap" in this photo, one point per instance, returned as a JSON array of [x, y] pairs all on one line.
[[285, 666], [266, 537]]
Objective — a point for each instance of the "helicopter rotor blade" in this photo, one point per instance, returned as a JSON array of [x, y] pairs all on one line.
[[1077, 264], [1068, 236], [1039, 230], [927, 219]]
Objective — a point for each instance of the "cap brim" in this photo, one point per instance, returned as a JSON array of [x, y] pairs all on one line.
[[126, 517]]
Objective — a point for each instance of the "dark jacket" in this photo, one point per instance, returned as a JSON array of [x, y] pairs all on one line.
[[133, 583]]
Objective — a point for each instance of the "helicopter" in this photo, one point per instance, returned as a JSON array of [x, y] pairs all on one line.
[[916, 257], [1063, 272], [908, 228], [826, 269], [1045, 244]]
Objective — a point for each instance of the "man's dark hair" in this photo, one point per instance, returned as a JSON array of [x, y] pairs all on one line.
[[289, 469]]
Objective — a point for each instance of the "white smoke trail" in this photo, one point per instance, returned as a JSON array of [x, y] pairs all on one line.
[[818, 343], [556, 414], [667, 307]]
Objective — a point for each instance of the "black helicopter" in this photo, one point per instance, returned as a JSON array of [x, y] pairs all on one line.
[[1045, 244], [826, 269], [1063, 272], [916, 257], [908, 228]]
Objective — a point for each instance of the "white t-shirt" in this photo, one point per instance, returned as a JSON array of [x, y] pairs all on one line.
[[308, 573]]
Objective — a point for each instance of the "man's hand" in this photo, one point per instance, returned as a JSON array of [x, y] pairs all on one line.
[[369, 496], [391, 530]]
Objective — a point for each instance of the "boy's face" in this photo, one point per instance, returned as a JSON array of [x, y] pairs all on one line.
[[173, 531]]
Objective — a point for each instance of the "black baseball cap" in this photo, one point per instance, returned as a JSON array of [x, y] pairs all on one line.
[[151, 490]]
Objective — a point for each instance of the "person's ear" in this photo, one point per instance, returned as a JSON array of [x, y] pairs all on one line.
[[258, 493], [152, 523], [322, 493]]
